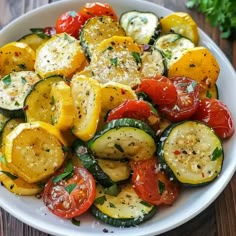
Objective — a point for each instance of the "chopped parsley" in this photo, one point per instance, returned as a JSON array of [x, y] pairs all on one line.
[[216, 153], [137, 57], [68, 172], [114, 61], [7, 80], [70, 188]]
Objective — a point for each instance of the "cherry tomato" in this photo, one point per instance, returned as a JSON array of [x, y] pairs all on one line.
[[217, 115], [136, 109], [159, 88], [90, 10], [71, 197], [187, 100], [151, 184], [70, 22], [49, 30]]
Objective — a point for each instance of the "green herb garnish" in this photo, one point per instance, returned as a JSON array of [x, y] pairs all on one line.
[[68, 172], [7, 80], [161, 187], [221, 14], [70, 188], [216, 153]]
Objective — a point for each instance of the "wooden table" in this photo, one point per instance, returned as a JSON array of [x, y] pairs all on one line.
[[220, 217]]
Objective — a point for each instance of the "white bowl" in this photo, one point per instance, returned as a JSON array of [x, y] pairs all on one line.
[[190, 203]]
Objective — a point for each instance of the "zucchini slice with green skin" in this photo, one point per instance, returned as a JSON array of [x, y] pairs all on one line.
[[14, 88], [124, 138], [117, 170], [124, 210], [38, 103], [153, 63], [191, 152], [143, 27], [90, 163], [95, 30], [173, 46], [34, 40]]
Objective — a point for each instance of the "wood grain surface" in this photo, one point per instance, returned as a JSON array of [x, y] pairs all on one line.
[[219, 219]]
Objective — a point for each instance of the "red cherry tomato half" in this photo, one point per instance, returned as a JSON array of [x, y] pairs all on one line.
[[71, 197], [136, 109], [90, 10], [159, 88], [151, 184], [70, 22], [187, 100], [217, 115]]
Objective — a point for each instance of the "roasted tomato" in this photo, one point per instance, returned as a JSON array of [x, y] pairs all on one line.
[[136, 109], [187, 100], [71, 196], [217, 115], [152, 184], [90, 10], [70, 22], [159, 88]]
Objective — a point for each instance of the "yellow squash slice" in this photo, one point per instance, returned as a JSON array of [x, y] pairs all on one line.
[[62, 106], [60, 55], [16, 56], [86, 93], [181, 23], [117, 59], [15, 184], [113, 94], [198, 64], [34, 151]]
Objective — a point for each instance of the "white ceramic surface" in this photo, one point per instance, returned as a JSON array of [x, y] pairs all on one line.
[[190, 203]]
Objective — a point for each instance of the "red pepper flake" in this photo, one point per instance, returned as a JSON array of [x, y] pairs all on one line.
[[17, 54], [203, 175], [177, 152], [123, 91], [26, 108]]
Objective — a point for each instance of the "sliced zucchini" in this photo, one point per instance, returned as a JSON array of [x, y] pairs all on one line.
[[91, 164], [172, 46], [86, 94], [3, 121], [192, 152], [97, 29], [153, 63], [34, 151], [117, 170], [124, 138], [60, 55], [117, 59], [38, 103], [34, 40], [14, 87], [211, 92], [8, 126], [143, 27], [124, 210]]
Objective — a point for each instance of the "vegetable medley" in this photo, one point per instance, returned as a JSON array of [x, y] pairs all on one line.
[[110, 114]]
